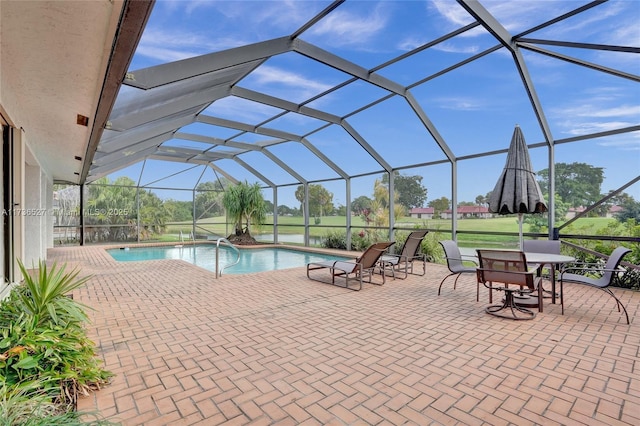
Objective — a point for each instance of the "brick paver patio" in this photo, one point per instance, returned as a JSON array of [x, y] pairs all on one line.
[[277, 348]]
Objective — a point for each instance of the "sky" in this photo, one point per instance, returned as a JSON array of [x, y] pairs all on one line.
[[474, 108]]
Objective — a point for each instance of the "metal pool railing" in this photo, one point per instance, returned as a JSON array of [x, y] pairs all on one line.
[[218, 270]]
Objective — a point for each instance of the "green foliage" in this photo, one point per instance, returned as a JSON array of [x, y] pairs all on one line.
[[578, 184], [28, 405], [179, 211], [244, 204], [631, 277], [44, 297], [539, 222], [630, 210], [360, 241], [153, 215], [335, 239], [113, 208], [360, 204], [209, 199], [411, 192], [320, 200], [439, 205], [429, 246], [46, 359]]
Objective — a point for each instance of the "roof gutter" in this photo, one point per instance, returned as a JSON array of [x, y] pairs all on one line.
[[133, 19]]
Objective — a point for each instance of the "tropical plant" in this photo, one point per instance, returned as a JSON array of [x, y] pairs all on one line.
[[44, 299], [46, 358], [29, 406], [244, 204], [335, 239]]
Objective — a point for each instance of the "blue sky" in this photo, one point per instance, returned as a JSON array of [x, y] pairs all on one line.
[[474, 107]]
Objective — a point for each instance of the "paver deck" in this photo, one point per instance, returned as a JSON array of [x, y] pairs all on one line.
[[277, 348]]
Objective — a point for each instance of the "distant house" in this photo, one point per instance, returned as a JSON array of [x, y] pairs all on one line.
[[469, 212], [574, 211], [421, 212], [614, 210]]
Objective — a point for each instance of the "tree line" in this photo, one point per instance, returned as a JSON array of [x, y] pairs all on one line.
[[111, 211]]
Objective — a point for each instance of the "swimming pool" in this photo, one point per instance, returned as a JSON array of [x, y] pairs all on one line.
[[204, 256]]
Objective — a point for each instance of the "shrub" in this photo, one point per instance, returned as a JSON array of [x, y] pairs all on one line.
[[45, 355], [335, 240]]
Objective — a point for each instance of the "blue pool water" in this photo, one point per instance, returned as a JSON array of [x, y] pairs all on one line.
[[204, 256]]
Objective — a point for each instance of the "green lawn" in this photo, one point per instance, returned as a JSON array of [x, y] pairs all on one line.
[[294, 225]]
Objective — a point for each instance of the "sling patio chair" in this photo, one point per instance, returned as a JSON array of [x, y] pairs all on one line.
[[456, 264], [596, 275], [403, 261], [508, 267], [545, 246], [356, 270]]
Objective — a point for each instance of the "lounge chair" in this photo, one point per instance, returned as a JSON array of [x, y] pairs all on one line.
[[403, 262], [356, 270]]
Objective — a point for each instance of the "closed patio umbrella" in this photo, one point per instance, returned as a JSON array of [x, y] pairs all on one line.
[[517, 190]]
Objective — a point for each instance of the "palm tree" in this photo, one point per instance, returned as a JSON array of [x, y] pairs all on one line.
[[244, 204]]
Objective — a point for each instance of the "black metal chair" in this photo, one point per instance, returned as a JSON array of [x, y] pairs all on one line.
[[599, 276], [508, 268], [456, 265]]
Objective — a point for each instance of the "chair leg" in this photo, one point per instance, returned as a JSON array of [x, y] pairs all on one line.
[[619, 303], [442, 282]]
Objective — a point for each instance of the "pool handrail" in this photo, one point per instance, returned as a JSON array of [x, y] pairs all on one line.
[[218, 270]]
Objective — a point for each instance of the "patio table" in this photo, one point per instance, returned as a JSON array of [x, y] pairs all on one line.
[[549, 259], [540, 259]]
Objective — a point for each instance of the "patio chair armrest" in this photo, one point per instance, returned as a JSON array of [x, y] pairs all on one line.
[[465, 258], [572, 269]]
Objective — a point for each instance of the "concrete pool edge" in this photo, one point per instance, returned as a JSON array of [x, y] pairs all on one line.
[[208, 259], [319, 250]]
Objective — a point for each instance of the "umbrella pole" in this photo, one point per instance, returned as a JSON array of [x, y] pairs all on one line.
[[520, 225]]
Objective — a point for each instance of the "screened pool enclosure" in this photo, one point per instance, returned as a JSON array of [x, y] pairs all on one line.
[[357, 117]]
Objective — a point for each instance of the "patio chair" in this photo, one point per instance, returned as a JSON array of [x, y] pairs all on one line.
[[455, 263], [358, 269], [606, 273], [403, 262], [508, 268], [544, 246]]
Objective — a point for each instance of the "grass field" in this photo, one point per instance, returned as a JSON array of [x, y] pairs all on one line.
[[290, 225]]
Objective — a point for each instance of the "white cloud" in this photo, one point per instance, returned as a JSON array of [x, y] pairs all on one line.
[[631, 144], [452, 12], [168, 46], [240, 110], [272, 75], [599, 111], [588, 127], [342, 28], [621, 111], [461, 104], [457, 48]]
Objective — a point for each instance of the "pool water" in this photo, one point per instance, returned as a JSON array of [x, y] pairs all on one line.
[[204, 256]]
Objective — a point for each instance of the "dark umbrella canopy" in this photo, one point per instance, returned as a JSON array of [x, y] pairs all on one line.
[[517, 190]]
